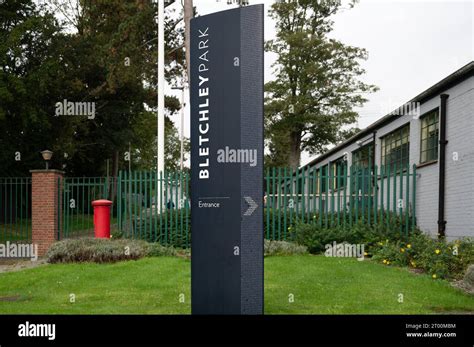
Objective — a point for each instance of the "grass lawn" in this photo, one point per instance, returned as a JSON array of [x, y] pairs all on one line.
[[78, 225], [153, 286]]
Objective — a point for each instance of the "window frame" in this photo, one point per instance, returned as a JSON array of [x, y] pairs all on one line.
[[323, 185], [434, 111], [333, 168], [313, 182], [370, 147], [402, 161]]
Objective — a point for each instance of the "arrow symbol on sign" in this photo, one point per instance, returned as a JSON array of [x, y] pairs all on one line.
[[252, 206]]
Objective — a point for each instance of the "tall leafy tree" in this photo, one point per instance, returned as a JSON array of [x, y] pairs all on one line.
[[144, 152], [32, 76], [103, 52], [113, 55], [311, 102]]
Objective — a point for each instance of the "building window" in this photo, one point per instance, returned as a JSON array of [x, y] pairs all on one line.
[[396, 148], [313, 189], [363, 156], [361, 170], [300, 182], [323, 179], [429, 136], [337, 173], [297, 184]]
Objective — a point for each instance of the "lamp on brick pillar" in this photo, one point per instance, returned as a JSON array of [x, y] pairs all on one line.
[[47, 155]]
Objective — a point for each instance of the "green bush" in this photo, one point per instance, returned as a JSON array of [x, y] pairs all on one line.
[[389, 253], [438, 258], [95, 250], [446, 259], [104, 251], [171, 232], [158, 250], [386, 244], [465, 257], [283, 248], [269, 214], [116, 234], [315, 237]]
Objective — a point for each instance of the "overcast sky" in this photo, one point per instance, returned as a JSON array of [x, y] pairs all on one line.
[[412, 44]]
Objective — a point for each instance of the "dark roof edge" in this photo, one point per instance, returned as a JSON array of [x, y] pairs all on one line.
[[456, 77]]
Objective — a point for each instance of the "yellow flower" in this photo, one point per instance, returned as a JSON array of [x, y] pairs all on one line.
[[413, 263], [409, 246], [365, 253], [388, 263], [402, 250], [434, 276], [385, 261], [437, 251]]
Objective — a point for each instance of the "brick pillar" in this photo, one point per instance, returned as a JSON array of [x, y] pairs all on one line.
[[45, 202]]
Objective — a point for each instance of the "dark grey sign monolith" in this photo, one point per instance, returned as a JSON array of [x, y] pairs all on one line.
[[227, 162]]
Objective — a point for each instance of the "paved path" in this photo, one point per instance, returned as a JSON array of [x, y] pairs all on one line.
[[12, 265]]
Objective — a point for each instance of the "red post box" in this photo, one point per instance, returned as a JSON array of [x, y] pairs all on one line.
[[102, 218]]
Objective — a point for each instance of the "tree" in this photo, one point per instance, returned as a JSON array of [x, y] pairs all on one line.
[[32, 77], [144, 149], [102, 52], [116, 68], [316, 88]]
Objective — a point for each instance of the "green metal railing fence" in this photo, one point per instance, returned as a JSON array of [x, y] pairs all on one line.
[[144, 215], [340, 197], [15, 209], [136, 212], [75, 211], [156, 208]]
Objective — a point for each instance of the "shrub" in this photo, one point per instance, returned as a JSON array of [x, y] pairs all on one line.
[[315, 237], [386, 244], [116, 234], [158, 250], [171, 232], [430, 255], [438, 258], [465, 257], [389, 253], [104, 251], [282, 248], [95, 250], [270, 214]]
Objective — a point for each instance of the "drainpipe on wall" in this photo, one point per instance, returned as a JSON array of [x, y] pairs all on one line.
[[374, 158], [442, 167], [374, 140]]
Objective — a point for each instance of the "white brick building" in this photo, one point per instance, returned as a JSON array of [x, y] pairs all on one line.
[[417, 140]]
